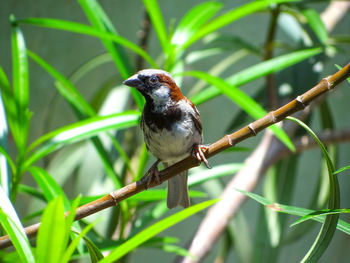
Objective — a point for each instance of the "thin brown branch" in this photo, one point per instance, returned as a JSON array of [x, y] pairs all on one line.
[[143, 35], [270, 79], [228, 141]]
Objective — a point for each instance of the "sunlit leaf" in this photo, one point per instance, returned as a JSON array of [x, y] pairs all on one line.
[[80, 131], [153, 230], [13, 227]]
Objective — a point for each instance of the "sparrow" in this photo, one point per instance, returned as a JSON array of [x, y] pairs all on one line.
[[172, 129]]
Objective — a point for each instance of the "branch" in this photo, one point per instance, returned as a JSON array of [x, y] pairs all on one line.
[[115, 197]]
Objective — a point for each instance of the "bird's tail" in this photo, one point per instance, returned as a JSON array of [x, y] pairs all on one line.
[[178, 191]]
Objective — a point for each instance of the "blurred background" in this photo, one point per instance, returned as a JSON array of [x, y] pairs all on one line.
[[78, 169]]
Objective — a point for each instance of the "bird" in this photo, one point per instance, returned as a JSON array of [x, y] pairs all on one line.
[[171, 127]]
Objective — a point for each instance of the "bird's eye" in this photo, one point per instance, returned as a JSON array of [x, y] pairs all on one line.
[[153, 80]]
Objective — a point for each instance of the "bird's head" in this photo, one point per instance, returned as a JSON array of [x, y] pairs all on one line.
[[157, 86]]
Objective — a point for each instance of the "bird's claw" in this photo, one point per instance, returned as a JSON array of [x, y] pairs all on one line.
[[198, 153], [152, 174]]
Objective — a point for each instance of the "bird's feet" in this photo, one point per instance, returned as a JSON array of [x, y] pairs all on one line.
[[152, 174], [198, 153]]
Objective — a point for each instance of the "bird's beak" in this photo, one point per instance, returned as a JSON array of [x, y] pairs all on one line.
[[134, 82]]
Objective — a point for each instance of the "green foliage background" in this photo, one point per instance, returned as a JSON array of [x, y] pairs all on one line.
[[70, 128]]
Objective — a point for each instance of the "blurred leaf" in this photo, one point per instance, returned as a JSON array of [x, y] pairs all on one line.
[[89, 66], [259, 70], [5, 159], [79, 131], [326, 233], [187, 27], [48, 185], [244, 101], [200, 175], [294, 210], [33, 192], [155, 229], [20, 84], [156, 17], [230, 17], [315, 22], [73, 245], [87, 30], [159, 194], [10, 104], [342, 169], [339, 68], [94, 252], [193, 20], [101, 22], [65, 87], [143, 158], [13, 227], [321, 213], [51, 235]]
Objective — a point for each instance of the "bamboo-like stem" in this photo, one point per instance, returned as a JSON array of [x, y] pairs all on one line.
[[227, 141], [270, 79]]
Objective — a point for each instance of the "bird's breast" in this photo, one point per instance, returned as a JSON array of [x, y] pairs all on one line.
[[170, 138]]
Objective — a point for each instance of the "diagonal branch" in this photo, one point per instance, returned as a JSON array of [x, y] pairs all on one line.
[[115, 197]]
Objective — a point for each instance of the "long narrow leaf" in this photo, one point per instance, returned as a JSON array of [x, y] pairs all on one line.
[[80, 131], [326, 233], [293, 210], [101, 22], [259, 70], [153, 230], [86, 30], [230, 17], [153, 10], [51, 234], [193, 20], [4, 156], [20, 84], [9, 104], [12, 225], [48, 185], [315, 22]]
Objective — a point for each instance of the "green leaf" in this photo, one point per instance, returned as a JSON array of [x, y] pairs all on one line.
[[326, 233], [342, 169], [73, 245], [243, 101], [94, 252], [5, 159], [65, 87], [52, 233], [10, 105], [155, 229], [230, 17], [13, 227], [199, 175], [293, 210], [20, 84], [79, 131], [156, 17], [159, 194], [321, 213], [48, 185], [316, 24], [101, 22], [193, 20], [259, 70], [87, 30], [31, 191]]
